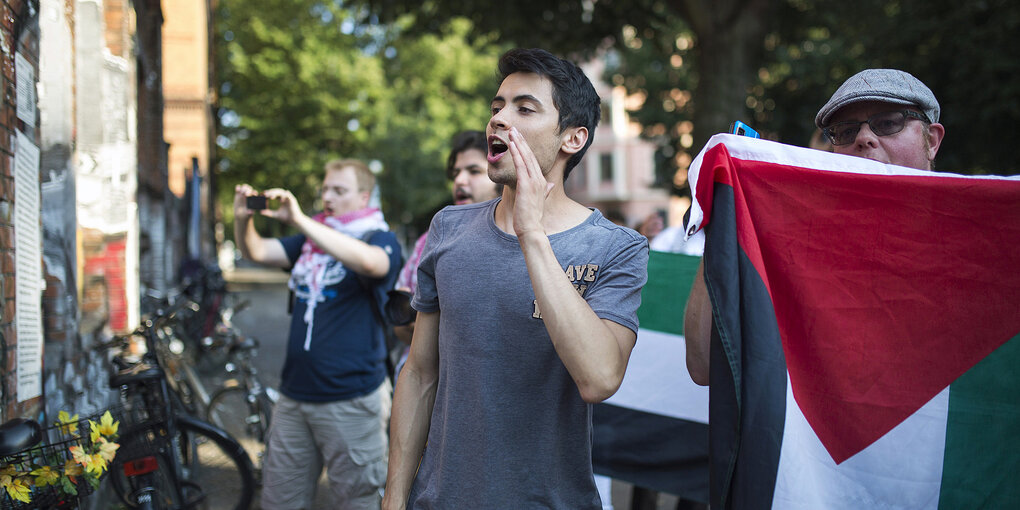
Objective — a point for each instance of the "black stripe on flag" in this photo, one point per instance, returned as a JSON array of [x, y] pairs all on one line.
[[747, 405], [650, 450]]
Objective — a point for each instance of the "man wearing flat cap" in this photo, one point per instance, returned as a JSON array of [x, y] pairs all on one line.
[[885, 115]]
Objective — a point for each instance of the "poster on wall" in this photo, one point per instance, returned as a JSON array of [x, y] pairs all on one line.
[[25, 74], [28, 267]]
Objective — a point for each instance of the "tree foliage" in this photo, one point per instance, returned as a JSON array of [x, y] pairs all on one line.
[[963, 51], [441, 85], [294, 89], [718, 69], [303, 81], [701, 64]]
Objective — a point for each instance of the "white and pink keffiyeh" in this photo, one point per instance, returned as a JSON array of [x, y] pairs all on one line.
[[315, 269]]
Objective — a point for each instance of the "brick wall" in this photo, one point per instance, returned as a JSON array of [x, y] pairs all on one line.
[[19, 35], [82, 55]]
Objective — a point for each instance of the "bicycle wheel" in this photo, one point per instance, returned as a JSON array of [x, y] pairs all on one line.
[[247, 422], [215, 470], [142, 474]]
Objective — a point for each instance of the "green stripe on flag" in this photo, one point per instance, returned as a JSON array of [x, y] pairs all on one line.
[[982, 461], [670, 276]]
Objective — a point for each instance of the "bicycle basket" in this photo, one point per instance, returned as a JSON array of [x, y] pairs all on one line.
[[50, 486], [140, 425]]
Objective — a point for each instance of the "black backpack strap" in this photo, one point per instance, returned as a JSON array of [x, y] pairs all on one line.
[[379, 293]]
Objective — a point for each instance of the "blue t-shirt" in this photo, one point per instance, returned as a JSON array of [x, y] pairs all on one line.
[[346, 356]]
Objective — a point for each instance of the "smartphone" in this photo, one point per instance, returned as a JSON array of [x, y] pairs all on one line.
[[256, 202], [398, 308], [739, 128]]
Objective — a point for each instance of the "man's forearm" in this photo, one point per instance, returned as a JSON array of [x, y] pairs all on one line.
[[247, 238], [594, 354], [267, 251], [355, 254], [412, 412], [698, 328], [413, 401]]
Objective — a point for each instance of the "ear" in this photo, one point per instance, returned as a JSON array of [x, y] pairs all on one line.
[[572, 140], [935, 133], [365, 197]]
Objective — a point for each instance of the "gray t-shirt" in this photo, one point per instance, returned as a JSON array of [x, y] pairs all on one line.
[[509, 428]]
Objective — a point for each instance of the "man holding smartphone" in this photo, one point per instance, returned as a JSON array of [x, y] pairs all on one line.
[[335, 400], [885, 115]]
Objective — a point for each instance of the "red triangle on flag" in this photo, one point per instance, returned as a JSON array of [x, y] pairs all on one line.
[[886, 287]]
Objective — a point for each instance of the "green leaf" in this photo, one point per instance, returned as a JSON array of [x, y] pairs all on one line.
[[302, 82], [68, 487]]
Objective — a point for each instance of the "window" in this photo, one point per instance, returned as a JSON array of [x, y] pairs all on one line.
[[606, 167]]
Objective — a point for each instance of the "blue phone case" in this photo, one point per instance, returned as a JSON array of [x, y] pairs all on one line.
[[739, 128]]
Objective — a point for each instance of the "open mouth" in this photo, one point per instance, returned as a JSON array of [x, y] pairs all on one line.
[[497, 148], [461, 196]]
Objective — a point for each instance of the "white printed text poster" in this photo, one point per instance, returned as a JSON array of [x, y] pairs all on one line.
[[28, 268]]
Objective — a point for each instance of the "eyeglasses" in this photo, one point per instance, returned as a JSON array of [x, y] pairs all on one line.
[[882, 124]]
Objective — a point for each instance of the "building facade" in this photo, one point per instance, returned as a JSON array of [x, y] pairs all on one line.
[[83, 164], [617, 174]]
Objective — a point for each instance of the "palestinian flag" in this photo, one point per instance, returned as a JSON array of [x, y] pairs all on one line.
[[866, 350], [654, 431]]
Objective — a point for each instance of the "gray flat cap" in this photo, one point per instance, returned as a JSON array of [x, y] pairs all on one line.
[[885, 85]]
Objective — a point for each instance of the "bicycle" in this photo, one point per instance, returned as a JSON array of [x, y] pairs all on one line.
[[243, 395], [179, 353], [169, 459], [205, 285]]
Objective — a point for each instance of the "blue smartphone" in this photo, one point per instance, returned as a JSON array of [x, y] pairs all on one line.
[[739, 128]]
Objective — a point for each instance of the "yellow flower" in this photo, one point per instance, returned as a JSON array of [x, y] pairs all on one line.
[[68, 424], [107, 449], [18, 489], [45, 476], [93, 431], [82, 457], [96, 464], [107, 426]]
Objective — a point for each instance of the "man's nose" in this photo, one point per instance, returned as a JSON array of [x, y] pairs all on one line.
[[865, 136], [461, 178], [499, 121]]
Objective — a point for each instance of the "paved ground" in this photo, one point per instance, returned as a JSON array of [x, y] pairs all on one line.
[[266, 319]]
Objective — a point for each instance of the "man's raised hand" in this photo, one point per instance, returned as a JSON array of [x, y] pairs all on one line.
[[532, 188]]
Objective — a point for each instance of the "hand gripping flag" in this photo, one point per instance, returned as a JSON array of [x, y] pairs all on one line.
[[866, 348]]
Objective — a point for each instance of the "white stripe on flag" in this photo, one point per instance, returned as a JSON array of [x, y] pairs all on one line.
[[657, 380], [903, 469], [758, 149]]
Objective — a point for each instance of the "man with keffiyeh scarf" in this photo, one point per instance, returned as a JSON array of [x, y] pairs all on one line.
[[335, 401]]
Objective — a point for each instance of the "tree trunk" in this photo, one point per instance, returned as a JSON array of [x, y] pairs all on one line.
[[730, 37]]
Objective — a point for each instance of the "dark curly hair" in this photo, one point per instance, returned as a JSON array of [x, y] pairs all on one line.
[[463, 141], [573, 94]]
